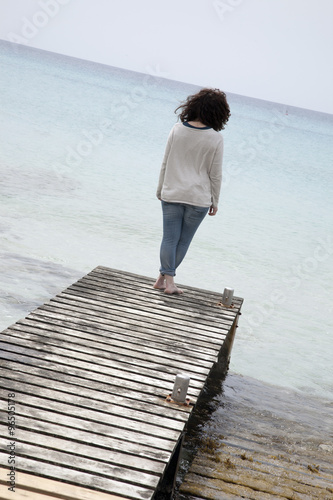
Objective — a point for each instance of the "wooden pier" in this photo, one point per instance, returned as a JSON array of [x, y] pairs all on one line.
[[88, 374]]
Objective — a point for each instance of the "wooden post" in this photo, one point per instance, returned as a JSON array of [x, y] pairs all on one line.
[[222, 365], [167, 485], [180, 387]]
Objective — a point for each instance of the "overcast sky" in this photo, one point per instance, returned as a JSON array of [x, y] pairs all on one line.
[[277, 50]]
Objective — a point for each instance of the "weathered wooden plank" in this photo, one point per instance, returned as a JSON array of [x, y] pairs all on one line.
[[168, 363], [29, 383], [154, 364], [117, 415], [129, 292], [117, 322], [38, 336], [51, 398], [28, 486], [93, 287], [208, 315], [28, 358], [109, 321], [127, 442], [97, 372], [31, 495], [122, 277], [139, 435], [123, 327], [29, 440], [112, 276], [108, 469], [123, 357], [100, 338], [32, 487], [80, 381], [112, 367], [93, 480], [132, 301], [88, 311]]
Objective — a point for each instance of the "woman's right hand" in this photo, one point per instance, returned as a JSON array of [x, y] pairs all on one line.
[[212, 210]]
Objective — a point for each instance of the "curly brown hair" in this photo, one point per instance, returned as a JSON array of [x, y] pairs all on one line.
[[209, 106]]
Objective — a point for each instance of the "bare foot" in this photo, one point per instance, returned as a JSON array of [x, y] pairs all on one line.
[[173, 289], [170, 286], [160, 282]]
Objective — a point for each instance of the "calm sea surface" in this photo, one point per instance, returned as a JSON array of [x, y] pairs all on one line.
[[81, 148]]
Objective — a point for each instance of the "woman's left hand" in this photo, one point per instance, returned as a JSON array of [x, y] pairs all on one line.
[[212, 210]]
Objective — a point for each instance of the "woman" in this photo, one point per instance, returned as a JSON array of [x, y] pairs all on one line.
[[190, 179]]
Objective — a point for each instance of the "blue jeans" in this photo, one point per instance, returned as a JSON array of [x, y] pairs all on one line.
[[180, 222]]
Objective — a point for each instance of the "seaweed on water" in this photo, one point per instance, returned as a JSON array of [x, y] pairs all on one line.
[[209, 445], [314, 468], [245, 457], [228, 464]]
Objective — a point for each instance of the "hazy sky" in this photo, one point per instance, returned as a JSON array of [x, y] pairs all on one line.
[[278, 50]]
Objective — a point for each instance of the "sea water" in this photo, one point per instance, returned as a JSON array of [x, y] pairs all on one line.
[[81, 149]]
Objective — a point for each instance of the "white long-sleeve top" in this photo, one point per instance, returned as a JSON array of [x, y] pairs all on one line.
[[191, 171]]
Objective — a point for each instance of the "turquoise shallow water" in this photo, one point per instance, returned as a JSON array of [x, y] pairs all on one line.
[[81, 150]]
